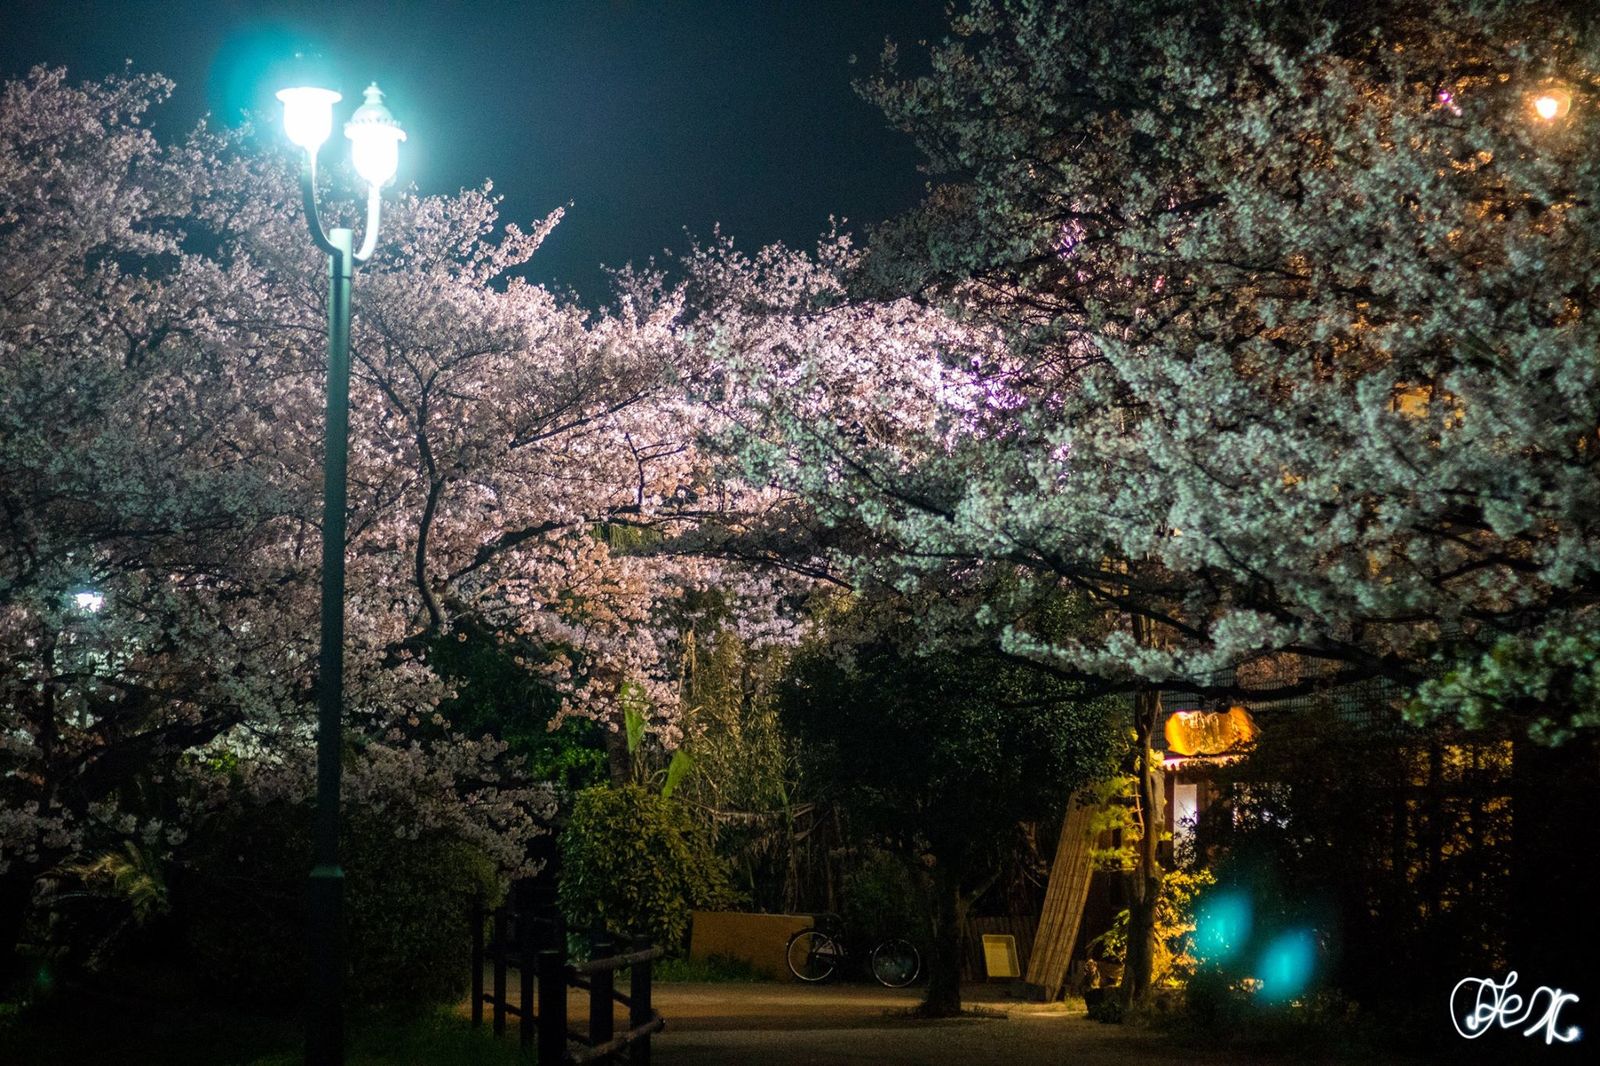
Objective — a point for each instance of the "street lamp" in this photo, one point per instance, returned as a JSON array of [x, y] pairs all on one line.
[[375, 150]]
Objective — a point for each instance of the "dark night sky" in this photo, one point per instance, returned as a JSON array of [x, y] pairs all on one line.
[[652, 118]]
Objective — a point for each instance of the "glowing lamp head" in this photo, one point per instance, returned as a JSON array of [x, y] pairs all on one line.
[[374, 139], [1552, 104], [308, 115]]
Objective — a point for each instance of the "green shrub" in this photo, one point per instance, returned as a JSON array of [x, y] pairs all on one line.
[[1174, 962], [633, 862], [408, 942], [1219, 1008], [880, 901], [240, 894], [243, 903], [196, 1034], [1107, 1009]]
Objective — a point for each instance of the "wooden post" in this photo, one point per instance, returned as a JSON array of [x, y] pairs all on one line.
[[639, 1012], [476, 920], [600, 985], [499, 948], [525, 972], [553, 1005]]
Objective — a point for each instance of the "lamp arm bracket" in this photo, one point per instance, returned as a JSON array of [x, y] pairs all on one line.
[[308, 195], [369, 240]]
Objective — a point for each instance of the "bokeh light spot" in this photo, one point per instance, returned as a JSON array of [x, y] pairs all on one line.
[[1222, 926], [1287, 965]]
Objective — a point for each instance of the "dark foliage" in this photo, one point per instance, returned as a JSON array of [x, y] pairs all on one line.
[[241, 899], [496, 696], [939, 759], [634, 863], [1395, 846]]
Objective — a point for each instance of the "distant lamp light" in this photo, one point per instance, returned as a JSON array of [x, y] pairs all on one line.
[[89, 600], [374, 139], [1552, 104], [308, 115]]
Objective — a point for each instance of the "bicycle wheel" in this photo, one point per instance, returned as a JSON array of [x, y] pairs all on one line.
[[895, 963], [813, 956]]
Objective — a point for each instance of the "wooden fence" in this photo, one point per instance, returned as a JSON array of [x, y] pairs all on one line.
[[535, 945]]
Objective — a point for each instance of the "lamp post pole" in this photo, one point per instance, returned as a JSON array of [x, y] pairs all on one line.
[[375, 137], [325, 1007]]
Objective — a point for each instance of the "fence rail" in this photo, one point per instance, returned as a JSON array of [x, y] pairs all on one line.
[[535, 945]]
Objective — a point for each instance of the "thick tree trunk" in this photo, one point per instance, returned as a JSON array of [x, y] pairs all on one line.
[[1138, 972], [944, 955]]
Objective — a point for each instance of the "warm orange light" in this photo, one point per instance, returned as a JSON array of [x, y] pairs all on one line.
[[1210, 732], [1552, 104]]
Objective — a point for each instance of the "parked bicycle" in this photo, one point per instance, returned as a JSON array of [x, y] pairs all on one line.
[[817, 954]]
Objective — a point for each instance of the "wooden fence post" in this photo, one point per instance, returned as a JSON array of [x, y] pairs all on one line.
[[525, 973], [600, 985], [475, 916], [639, 1011], [499, 947], [553, 1005]]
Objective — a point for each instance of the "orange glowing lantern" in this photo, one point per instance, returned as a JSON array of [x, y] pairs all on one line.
[[1210, 732]]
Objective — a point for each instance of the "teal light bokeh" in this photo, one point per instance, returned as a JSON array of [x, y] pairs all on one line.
[[253, 62], [1287, 965], [1222, 926]]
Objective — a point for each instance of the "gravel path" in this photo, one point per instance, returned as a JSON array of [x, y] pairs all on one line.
[[790, 1025], [800, 1025]]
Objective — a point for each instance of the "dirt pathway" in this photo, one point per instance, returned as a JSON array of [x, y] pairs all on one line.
[[798, 1025], [782, 1025], [791, 1025]]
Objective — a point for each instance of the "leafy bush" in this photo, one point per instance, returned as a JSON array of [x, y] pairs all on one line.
[[1175, 962], [407, 940], [1106, 1009], [241, 897], [193, 1034], [1218, 1006], [243, 891], [633, 862], [880, 901]]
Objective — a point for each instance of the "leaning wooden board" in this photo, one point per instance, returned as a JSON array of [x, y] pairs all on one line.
[[1064, 898]]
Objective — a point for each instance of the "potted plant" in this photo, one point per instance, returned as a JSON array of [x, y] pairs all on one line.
[[1108, 952]]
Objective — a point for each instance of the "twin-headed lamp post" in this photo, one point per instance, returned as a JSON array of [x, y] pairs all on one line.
[[375, 150]]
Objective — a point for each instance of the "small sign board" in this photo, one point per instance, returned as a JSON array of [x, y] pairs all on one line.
[[1000, 955]]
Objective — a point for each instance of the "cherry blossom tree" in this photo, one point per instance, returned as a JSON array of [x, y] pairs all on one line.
[[1268, 329], [161, 345], [140, 517]]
